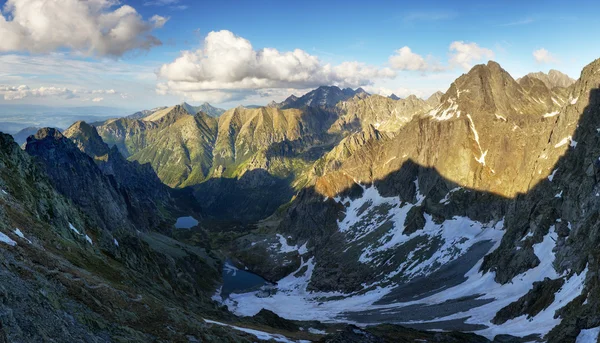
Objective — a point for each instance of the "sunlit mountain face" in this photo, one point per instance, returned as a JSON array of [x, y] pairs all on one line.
[[181, 171]]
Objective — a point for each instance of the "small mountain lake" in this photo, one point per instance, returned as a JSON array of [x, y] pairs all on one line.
[[186, 222], [240, 281]]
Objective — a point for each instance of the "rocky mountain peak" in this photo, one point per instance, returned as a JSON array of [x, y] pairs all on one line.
[[394, 97], [489, 90], [553, 78], [47, 132], [323, 96], [87, 139]]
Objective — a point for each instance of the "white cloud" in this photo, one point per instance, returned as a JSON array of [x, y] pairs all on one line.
[[465, 54], [229, 64], [23, 91], [405, 59], [92, 27], [544, 56]]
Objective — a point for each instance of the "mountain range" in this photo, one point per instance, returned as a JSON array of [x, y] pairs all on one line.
[[470, 216]]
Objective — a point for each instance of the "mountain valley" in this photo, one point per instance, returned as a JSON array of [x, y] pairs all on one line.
[[336, 216]]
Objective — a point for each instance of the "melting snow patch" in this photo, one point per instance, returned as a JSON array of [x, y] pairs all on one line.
[[74, 229], [529, 234], [588, 336], [566, 140], [481, 158], [4, 192], [446, 114], [556, 101], [446, 199], [574, 101], [261, 335], [551, 176], [115, 241], [503, 295], [285, 248], [5, 239], [500, 117], [316, 331], [551, 114], [559, 195], [21, 235]]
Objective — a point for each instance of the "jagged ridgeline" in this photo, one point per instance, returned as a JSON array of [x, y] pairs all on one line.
[[475, 210]]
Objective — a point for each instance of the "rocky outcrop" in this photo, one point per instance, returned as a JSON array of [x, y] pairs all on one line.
[[76, 176], [383, 113]]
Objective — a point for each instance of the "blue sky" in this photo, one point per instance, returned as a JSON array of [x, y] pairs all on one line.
[[342, 42]]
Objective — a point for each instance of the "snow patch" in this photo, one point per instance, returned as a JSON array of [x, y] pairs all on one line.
[[316, 331], [87, 238], [574, 101], [446, 114], [481, 158], [74, 229], [261, 335], [551, 114], [551, 176], [446, 199], [500, 117], [588, 335], [6, 240], [283, 247], [116, 242], [568, 139], [21, 235]]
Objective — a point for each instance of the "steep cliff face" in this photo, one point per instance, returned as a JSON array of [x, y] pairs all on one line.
[[243, 131], [76, 176], [177, 145], [65, 277], [484, 117], [150, 203], [458, 221]]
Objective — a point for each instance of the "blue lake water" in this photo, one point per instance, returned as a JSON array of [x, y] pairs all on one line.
[[186, 223], [240, 281]]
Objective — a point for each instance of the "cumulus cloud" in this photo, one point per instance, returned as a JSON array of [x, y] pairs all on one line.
[[229, 64], [23, 91], [92, 27], [543, 56], [465, 54], [405, 59]]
